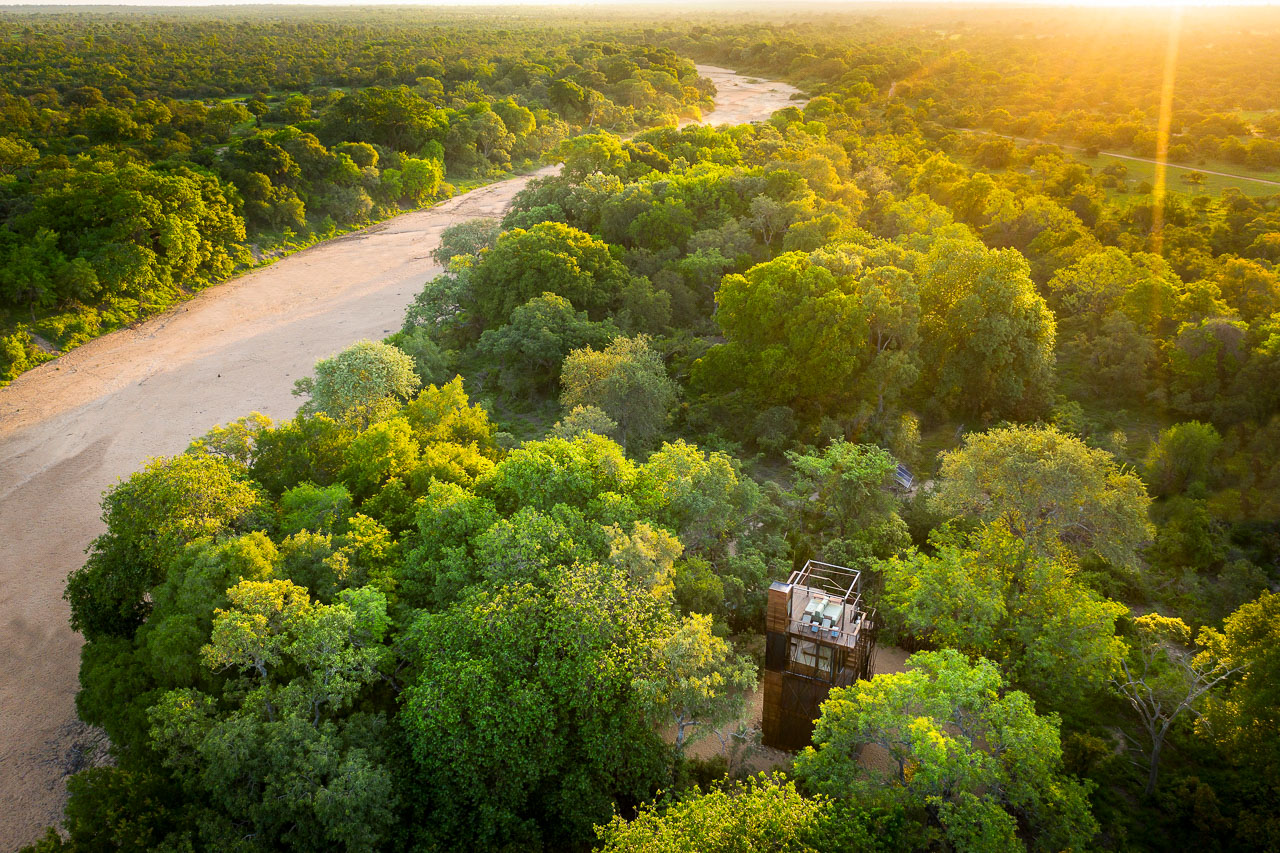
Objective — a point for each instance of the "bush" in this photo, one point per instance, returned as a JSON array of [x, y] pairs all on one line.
[[364, 379], [17, 353], [775, 429], [1182, 458]]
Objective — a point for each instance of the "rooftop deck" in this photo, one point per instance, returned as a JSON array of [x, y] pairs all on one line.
[[824, 603]]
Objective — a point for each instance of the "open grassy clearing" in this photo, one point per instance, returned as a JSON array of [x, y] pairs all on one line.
[[1249, 182]]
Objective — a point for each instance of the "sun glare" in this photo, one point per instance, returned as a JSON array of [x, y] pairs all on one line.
[[1162, 127]]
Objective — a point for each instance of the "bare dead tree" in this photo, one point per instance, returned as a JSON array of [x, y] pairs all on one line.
[[1165, 677]]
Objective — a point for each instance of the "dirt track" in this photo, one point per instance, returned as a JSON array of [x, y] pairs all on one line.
[[71, 428]]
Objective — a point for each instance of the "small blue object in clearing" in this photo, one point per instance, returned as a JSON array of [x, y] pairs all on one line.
[[903, 476]]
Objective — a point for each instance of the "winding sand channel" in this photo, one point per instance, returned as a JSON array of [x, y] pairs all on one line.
[[70, 428]]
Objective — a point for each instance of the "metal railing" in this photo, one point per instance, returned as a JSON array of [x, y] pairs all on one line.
[[834, 635], [827, 577]]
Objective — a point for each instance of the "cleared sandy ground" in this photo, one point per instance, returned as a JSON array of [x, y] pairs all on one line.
[[71, 428], [765, 759], [741, 99]]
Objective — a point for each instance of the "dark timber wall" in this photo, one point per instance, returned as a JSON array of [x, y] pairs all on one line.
[[794, 692]]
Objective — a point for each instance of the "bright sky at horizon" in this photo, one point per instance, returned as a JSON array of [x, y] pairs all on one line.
[[683, 6]]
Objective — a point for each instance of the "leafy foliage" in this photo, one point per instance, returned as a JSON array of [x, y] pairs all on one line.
[[979, 759], [1049, 489], [390, 622], [548, 258], [560, 731], [993, 596], [365, 380], [126, 190], [761, 813], [627, 381], [989, 337]]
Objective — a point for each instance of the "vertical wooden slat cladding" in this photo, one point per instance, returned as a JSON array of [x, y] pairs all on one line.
[[777, 616], [776, 647]]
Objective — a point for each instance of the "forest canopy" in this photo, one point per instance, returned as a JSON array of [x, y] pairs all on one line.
[[501, 581], [143, 158]]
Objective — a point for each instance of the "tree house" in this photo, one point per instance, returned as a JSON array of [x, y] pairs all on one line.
[[819, 635]]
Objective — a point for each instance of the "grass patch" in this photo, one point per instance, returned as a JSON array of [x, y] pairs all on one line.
[[1248, 181], [1253, 182]]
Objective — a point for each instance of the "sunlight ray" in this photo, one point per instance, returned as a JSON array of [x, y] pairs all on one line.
[[1163, 127]]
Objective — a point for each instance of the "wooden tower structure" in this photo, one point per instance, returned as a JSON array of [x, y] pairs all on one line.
[[819, 635]]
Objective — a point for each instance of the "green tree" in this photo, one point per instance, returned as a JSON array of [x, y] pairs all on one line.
[[16, 154], [1204, 359], [309, 448], [988, 337], [285, 759], [844, 503], [569, 99], [590, 153], [1112, 361], [264, 157], [420, 180], [891, 303], [964, 754], [144, 232], [442, 309], [235, 441], [149, 518], [517, 119], [385, 450], [1244, 715], [111, 808], [37, 274], [1164, 678], [647, 554], [1049, 489], [444, 414], [222, 119], [526, 723], [363, 154], [295, 109], [533, 344], [816, 336], [1249, 287], [490, 138], [762, 813], [442, 560], [702, 683], [1182, 457], [771, 217], [797, 336], [346, 203], [365, 381], [547, 258], [703, 497], [544, 473], [314, 508], [184, 604], [257, 108], [396, 118], [581, 420], [466, 238], [627, 380], [254, 633], [991, 595]]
